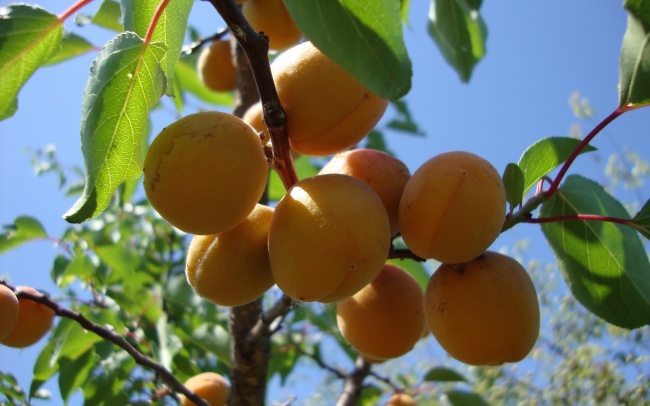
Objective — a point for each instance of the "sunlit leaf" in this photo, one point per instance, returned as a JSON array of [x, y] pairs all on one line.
[[545, 155], [634, 80], [513, 180], [443, 374], [604, 264], [458, 29], [125, 83], [24, 229], [75, 372], [45, 367], [364, 37], [641, 221], [415, 268], [108, 16], [72, 45], [29, 36], [188, 81]]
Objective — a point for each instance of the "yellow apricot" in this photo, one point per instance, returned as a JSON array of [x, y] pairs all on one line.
[[385, 174], [232, 268], [273, 19], [9, 311], [205, 172], [484, 312], [33, 322], [385, 319], [215, 67], [401, 399], [329, 237], [452, 208], [328, 110], [209, 386]]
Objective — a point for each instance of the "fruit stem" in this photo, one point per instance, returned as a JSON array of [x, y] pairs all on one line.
[[110, 335]]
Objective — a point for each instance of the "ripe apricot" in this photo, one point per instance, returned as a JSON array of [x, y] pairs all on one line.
[[484, 312], [9, 311], [328, 110], [273, 19], [329, 237], [401, 399], [232, 268], [452, 208], [205, 172], [385, 174], [384, 319], [33, 322], [215, 67], [210, 386]]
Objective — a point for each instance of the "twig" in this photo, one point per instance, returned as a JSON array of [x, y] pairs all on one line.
[[263, 326], [403, 253], [195, 46], [354, 383], [110, 335]]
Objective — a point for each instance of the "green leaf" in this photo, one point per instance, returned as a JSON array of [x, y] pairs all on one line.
[[186, 77], [404, 122], [108, 16], [513, 180], [125, 83], [170, 28], [44, 368], [74, 373], [641, 221], [404, 5], [458, 29], [545, 155], [81, 267], [29, 36], [283, 361], [443, 374], [214, 339], [634, 63], [465, 398], [415, 268], [375, 140], [72, 45], [304, 169], [24, 229], [364, 37], [604, 264]]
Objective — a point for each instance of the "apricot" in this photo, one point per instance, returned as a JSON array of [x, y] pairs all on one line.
[[232, 268], [385, 174], [329, 238], [452, 208], [385, 319], [9, 311], [33, 322], [484, 312], [273, 19], [210, 386], [205, 172], [401, 399], [328, 110], [215, 67]]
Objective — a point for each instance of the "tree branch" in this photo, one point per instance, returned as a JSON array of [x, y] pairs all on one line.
[[354, 383]]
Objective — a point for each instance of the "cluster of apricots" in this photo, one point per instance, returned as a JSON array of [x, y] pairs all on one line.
[[328, 239], [23, 322]]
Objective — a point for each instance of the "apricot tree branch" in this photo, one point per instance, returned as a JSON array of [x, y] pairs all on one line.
[[354, 383], [256, 48], [195, 46], [110, 335], [264, 325]]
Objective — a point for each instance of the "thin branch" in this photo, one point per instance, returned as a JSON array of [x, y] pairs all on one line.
[[73, 9], [318, 360], [354, 383], [110, 335], [403, 253], [263, 327], [195, 46]]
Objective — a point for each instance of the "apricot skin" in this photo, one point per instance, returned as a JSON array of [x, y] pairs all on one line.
[[9, 311], [385, 174], [452, 208], [210, 386], [33, 322], [232, 268], [329, 237], [205, 172], [484, 312], [273, 19], [328, 110], [215, 67], [385, 319], [401, 399]]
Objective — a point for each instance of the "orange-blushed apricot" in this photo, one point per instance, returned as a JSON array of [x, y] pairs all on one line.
[[33, 322], [209, 386], [385, 319], [205, 172], [232, 268], [9, 311], [215, 67], [273, 19], [453, 207], [329, 237], [385, 174], [484, 312], [401, 399]]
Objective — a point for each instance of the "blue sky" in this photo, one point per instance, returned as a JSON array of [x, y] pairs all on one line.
[[538, 54]]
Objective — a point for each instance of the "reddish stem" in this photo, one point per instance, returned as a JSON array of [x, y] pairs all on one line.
[[73, 9], [154, 21], [579, 148], [583, 217]]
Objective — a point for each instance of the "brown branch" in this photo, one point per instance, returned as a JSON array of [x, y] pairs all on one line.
[[403, 253], [354, 383], [110, 335], [195, 46], [265, 325]]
